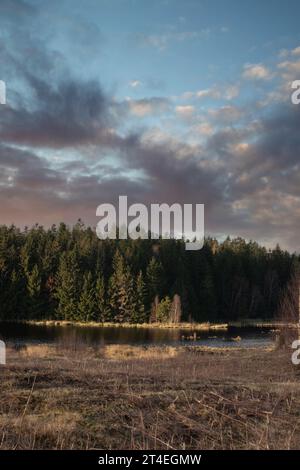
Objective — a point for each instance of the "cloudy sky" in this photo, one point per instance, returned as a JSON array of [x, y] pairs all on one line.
[[161, 100]]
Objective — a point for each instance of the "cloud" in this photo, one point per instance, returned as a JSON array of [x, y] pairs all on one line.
[[16, 8], [226, 114], [256, 72], [289, 70], [148, 106], [185, 111], [263, 175], [231, 92], [248, 177], [135, 83], [162, 41], [66, 114], [225, 92], [209, 93], [68, 145], [296, 51], [283, 53], [204, 128]]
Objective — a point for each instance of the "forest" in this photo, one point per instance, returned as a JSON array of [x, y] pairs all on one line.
[[67, 273]]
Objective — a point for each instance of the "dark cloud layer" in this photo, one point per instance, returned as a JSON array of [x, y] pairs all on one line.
[[239, 188], [68, 114]]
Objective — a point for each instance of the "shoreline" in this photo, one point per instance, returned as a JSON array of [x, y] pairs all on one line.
[[205, 326]]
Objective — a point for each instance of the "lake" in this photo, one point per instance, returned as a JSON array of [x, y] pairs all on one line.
[[91, 335]]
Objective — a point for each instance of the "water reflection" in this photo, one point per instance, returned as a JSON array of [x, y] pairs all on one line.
[[19, 332]]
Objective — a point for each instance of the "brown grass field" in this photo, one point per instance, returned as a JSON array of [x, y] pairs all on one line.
[[123, 397]]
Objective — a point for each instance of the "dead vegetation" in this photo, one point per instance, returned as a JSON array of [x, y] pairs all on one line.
[[122, 397], [288, 313]]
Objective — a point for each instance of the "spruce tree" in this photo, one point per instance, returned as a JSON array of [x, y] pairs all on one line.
[[14, 305], [140, 314], [42, 271], [154, 277], [87, 309], [34, 291], [102, 308], [67, 286], [121, 290], [207, 295]]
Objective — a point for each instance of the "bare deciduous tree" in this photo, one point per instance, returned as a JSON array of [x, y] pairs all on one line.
[[175, 314]]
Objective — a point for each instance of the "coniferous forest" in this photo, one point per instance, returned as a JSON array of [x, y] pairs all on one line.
[[69, 274]]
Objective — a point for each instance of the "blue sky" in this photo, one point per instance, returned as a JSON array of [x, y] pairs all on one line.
[[165, 101], [178, 45]]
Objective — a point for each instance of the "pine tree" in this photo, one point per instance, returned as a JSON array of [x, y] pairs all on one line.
[[87, 303]]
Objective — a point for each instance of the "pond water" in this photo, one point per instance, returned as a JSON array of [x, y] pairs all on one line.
[[91, 335]]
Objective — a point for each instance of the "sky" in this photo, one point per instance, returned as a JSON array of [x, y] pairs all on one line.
[[169, 101]]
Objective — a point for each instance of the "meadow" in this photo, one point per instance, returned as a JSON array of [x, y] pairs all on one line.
[[67, 396]]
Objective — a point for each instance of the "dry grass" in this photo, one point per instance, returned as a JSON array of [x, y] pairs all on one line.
[[206, 326], [37, 350], [55, 397], [119, 352]]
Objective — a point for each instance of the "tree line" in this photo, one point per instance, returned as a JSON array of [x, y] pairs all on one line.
[[69, 274]]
